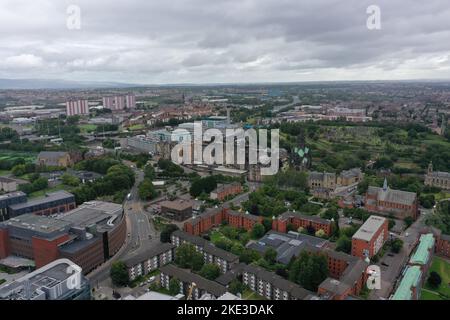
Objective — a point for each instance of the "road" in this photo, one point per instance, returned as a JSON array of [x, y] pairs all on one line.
[[142, 234]]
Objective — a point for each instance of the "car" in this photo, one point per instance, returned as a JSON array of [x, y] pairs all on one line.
[[141, 284], [152, 278]]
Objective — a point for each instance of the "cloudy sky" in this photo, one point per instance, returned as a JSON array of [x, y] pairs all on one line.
[[212, 41]]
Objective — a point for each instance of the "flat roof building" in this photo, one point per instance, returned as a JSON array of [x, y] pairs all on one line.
[[370, 237], [60, 280]]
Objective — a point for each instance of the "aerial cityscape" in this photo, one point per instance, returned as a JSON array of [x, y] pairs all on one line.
[[242, 152]]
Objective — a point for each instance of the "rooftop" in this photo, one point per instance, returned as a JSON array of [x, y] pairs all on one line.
[[369, 228], [178, 204], [393, 196], [12, 195], [154, 251], [188, 277], [409, 281], [39, 224], [52, 196], [422, 253]]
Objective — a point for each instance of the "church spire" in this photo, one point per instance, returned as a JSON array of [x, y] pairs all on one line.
[[430, 167], [385, 184]]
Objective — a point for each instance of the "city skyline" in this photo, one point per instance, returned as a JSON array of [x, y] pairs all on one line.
[[224, 42]]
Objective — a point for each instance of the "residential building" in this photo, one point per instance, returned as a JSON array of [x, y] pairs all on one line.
[[178, 210], [146, 262], [211, 254], [370, 237], [54, 159], [271, 286], [387, 201], [188, 280], [77, 107], [225, 190], [437, 179], [298, 220], [443, 245], [203, 223], [59, 280], [349, 177], [88, 235]]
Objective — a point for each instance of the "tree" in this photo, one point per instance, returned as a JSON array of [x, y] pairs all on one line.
[[270, 255], [309, 270], [258, 231], [186, 256], [344, 244], [119, 274], [249, 256], [396, 245], [320, 233], [166, 233], [236, 287], [409, 221], [147, 190], [434, 279], [70, 180], [210, 271], [149, 172], [174, 287]]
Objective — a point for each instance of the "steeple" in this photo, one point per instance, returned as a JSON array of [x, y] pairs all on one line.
[[385, 185], [430, 167]]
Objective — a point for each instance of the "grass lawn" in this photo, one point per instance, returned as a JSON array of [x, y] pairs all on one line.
[[5, 172], [442, 267], [42, 193], [85, 128], [136, 127], [429, 295], [250, 295]]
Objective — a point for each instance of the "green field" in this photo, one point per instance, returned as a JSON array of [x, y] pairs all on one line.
[[442, 267], [136, 127], [86, 128], [12, 155], [250, 295]]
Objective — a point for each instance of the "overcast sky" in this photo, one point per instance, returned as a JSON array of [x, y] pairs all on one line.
[[212, 41]]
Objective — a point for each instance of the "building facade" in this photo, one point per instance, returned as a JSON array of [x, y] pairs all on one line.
[[387, 201], [223, 191], [370, 237], [437, 179], [298, 220], [77, 107]]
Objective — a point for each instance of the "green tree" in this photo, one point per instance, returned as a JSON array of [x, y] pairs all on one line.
[[434, 280], [270, 255], [309, 270], [146, 190], [396, 245], [210, 271], [70, 180], [166, 233], [119, 274], [408, 221], [344, 244], [174, 287], [236, 287], [258, 231], [186, 256]]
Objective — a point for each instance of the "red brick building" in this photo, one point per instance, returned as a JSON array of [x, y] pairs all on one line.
[[442, 245], [370, 237], [88, 235], [203, 223], [299, 220], [226, 190], [387, 201]]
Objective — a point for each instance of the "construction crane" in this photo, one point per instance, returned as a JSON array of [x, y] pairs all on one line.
[[190, 291]]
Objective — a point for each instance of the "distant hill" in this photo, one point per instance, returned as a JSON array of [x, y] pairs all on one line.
[[8, 84]]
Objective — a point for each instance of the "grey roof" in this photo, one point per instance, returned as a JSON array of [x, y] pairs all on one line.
[[439, 174], [369, 228], [351, 173], [314, 175], [52, 196], [188, 277], [38, 224], [10, 195], [445, 237], [247, 215], [148, 254], [226, 278], [334, 286], [52, 154], [287, 245]]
